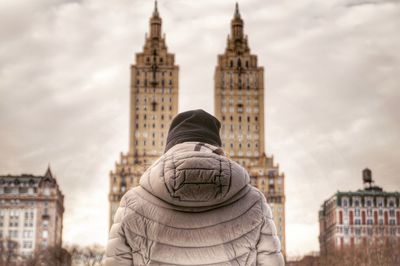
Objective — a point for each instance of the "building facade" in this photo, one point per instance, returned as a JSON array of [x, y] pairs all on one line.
[[31, 211], [239, 105], [153, 104], [351, 218]]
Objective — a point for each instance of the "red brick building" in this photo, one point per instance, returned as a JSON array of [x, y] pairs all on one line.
[[351, 218]]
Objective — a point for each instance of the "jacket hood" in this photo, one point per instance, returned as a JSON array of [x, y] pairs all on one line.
[[193, 174]]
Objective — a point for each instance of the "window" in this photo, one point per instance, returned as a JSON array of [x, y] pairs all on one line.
[[344, 202], [380, 202], [369, 203]]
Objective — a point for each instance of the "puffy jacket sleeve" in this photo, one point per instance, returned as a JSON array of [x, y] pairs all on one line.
[[118, 252], [268, 247]]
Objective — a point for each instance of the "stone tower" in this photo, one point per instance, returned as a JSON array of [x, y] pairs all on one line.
[[239, 105], [153, 104]]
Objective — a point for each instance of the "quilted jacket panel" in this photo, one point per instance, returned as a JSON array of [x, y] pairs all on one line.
[[193, 208]]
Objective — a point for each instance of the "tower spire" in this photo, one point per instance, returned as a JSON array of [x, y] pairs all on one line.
[[155, 23], [155, 12], [237, 24], [237, 12]]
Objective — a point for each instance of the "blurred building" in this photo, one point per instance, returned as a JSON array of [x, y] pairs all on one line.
[[358, 217], [153, 104], [31, 212], [239, 105]]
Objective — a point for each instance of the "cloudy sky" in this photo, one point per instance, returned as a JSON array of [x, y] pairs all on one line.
[[332, 93]]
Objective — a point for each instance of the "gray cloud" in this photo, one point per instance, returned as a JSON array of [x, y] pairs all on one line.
[[331, 93]]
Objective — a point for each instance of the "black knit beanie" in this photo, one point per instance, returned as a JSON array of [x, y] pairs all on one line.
[[195, 125]]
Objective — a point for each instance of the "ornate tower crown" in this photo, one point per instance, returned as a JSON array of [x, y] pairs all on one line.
[[237, 25], [155, 23], [237, 40]]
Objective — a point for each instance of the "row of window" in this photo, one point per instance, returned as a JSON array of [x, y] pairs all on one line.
[[241, 153], [145, 125], [239, 109], [371, 222], [271, 190], [369, 212], [145, 83], [153, 143], [153, 117], [249, 77], [369, 231], [238, 63], [27, 223], [239, 145], [239, 127], [368, 217], [153, 90], [23, 190], [369, 202], [152, 100], [156, 60], [153, 107], [26, 234], [16, 213], [231, 101], [163, 73], [239, 86], [17, 202], [232, 93], [271, 181], [145, 134], [239, 118], [239, 135], [14, 234]]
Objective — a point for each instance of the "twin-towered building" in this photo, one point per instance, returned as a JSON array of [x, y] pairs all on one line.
[[358, 217], [239, 105]]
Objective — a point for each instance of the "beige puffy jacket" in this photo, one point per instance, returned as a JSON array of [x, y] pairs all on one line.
[[193, 207]]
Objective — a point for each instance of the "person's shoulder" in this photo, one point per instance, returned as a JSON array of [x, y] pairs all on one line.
[[256, 192], [131, 198]]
